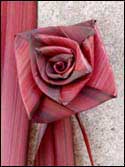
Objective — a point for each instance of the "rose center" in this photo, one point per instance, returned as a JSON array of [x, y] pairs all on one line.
[[59, 66]]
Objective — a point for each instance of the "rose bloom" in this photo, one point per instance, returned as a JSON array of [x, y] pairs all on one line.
[[62, 70]]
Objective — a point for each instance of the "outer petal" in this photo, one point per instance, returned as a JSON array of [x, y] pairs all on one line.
[[101, 87], [31, 94], [51, 91], [88, 98], [50, 111], [102, 78], [77, 33], [88, 23]]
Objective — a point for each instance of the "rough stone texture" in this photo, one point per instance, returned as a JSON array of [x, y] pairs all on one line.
[[105, 122]]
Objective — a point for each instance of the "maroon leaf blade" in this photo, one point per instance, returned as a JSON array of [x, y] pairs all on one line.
[[21, 16]]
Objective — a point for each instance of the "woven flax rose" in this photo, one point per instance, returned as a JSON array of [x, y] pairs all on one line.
[[62, 70]]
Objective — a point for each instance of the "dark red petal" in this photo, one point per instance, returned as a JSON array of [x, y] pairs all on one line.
[[52, 30], [41, 66], [50, 111], [87, 48], [55, 73], [59, 67], [88, 98], [70, 91], [101, 86], [47, 89], [58, 76], [89, 23], [82, 67], [61, 57], [31, 94], [81, 62], [51, 40], [102, 77], [50, 51], [77, 33]]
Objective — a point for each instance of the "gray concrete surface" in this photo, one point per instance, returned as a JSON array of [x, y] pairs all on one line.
[[105, 122]]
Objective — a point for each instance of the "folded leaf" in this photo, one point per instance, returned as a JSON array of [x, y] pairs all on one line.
[[56, 148]]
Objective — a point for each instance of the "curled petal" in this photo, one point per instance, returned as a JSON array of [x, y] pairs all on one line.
[[60, 74], [82, 66], [70, 91], [50, 51], [61, 57], [51, 91], [50, 40], [42, 67]]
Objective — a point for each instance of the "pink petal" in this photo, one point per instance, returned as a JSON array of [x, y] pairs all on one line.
[[50, 111], [82, 67], [88, 98], [102, 78], [87, 48], [51, 30], [47, 89], [50, 51], [31, 94], [77, 33], [46, 70], [89, 23], [69, 92], [51, 40], [101, 86]]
